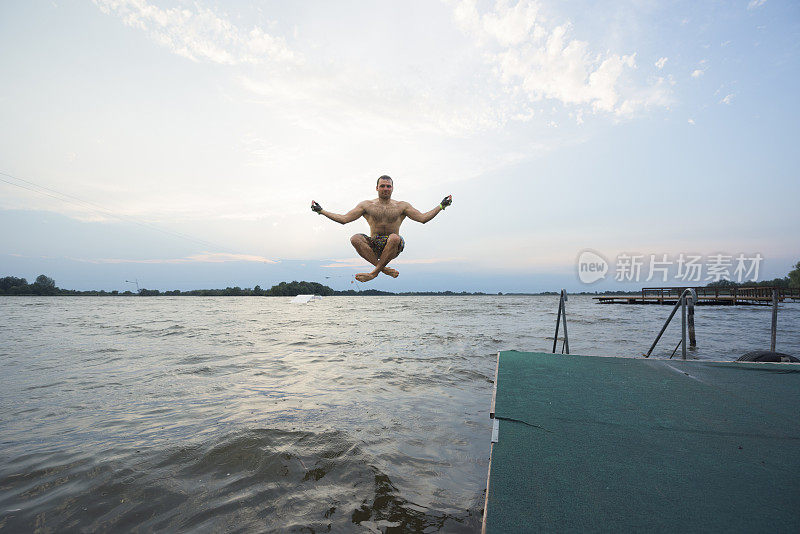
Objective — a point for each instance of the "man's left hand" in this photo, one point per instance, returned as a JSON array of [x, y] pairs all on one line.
[[447, 201]]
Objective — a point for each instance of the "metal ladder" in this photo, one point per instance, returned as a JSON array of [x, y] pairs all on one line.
[[686, 302], [562, 312], [690, 295]]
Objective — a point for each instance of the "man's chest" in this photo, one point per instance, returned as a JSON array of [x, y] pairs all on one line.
[[384, 214]]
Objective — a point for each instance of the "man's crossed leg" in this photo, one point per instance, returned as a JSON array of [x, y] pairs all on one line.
[[390, 251]]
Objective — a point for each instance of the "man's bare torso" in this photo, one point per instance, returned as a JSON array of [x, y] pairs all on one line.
[[384, 216]]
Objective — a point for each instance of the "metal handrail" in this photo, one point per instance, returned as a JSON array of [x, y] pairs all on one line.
[[562, 311], [774, 330], [692, 294]]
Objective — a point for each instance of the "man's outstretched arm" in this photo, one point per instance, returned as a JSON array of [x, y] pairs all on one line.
[[350, 216], [415, 215]]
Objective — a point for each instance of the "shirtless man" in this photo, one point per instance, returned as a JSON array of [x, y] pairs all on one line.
[[384, 216]]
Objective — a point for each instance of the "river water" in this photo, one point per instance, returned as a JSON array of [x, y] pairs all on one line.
[[349, 414]]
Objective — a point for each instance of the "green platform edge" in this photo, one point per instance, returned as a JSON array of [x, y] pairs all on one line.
[[590, 443]]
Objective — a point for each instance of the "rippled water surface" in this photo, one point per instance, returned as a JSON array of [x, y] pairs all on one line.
[[253, 414]]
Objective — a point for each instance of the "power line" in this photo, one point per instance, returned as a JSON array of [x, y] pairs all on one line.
[[70, 199]]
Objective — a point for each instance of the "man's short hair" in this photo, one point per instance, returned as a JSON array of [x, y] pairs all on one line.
[[384, 177]]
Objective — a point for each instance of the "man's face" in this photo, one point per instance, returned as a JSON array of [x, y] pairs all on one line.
[[384, 189]]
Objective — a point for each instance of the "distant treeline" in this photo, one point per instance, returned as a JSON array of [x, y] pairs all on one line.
[[790, 280], [46, 286], [777, 282]]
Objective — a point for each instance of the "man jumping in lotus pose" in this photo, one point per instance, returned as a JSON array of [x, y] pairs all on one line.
[[384, 217]]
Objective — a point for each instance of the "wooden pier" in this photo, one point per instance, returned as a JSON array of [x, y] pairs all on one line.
[[706, 296]]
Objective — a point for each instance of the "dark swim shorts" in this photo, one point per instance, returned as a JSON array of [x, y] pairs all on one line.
[[378, 243]]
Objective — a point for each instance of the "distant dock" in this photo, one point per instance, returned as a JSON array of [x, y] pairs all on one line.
[[706, 296]]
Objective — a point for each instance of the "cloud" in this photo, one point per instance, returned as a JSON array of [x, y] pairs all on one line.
[[701, 69], [205, 257], [349, 262], [221, 257], [529, 61], [728, 99], [200, 34], [508, 25], [542, 61], [427, 261], [691, 121], [353, 99], [755, 4], [358, 262], [661, 62], [348, 94]]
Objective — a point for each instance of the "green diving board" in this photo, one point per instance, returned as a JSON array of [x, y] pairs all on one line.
[[589, 443]]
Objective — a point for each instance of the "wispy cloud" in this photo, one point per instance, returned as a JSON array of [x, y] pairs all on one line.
[[542, 61], [205, 257], [349, 262], [426, 261], [701, 69], [727, 99], [532, 59], [198, 33], [358, 262], [350, 95], [661, 62], [357, 99], [755, 4]]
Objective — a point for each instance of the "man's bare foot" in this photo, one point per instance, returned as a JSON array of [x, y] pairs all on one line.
[[365, 277], [394, 273]]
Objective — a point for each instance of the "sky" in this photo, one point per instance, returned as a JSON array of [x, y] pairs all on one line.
[[178, 144]]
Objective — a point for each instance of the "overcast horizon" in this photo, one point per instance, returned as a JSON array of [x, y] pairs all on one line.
[[180, 143]]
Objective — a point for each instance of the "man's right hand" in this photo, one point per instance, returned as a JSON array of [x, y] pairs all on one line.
[[316, 207], [446, 201]]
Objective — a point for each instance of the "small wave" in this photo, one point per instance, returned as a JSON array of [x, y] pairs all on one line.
[[172, 330], [253, 480], [470, 374], [579, 320], [45, 386], [203, 371], [194, 358]]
